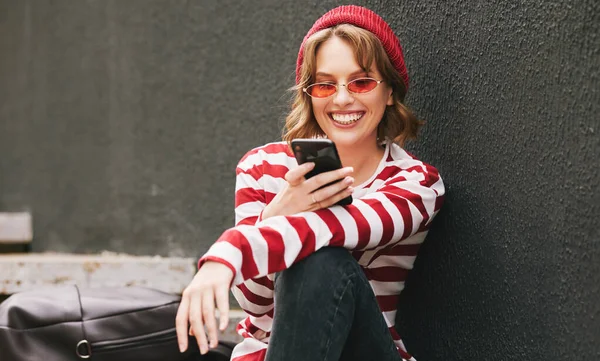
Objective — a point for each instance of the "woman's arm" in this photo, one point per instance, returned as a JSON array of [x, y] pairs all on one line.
[[402, 206], [255, 296], [212, 282]]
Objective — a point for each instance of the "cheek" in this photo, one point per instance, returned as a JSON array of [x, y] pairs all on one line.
[[382, 100], [317, 109], [314, 106]]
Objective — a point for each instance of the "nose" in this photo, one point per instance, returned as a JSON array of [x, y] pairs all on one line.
[[342, 97]]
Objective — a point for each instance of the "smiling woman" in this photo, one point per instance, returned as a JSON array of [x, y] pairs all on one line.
[[335, 272], [349, 119]]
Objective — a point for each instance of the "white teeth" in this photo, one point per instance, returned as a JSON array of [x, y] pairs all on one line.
[[346, 118]]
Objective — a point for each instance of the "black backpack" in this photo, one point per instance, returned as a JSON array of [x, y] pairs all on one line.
[[103, 324]]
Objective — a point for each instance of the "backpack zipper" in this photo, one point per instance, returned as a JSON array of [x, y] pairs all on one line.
[[131, 342]]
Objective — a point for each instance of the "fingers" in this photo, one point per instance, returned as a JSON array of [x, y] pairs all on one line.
[[323, 179], [197, 322], [208, 312], [197, 306], [222, 297], [325, 194], [340, 195], [295, 176], [334, 199], [181, 322]]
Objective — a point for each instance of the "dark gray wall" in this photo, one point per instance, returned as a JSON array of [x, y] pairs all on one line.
[[121, 123]]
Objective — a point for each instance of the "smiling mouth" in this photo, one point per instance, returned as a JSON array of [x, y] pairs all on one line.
[[346, 119]]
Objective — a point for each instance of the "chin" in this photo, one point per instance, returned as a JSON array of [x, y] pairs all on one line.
[[345, 139]]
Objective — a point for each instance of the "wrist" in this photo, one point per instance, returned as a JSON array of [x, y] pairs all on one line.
[[209, 261]]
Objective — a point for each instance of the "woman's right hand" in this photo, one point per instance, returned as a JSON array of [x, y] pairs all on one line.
[[300, 194]]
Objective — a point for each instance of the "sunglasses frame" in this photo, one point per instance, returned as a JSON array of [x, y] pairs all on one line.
[[305, 90]]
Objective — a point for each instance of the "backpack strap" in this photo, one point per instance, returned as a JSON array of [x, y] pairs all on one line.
[[83, 348]]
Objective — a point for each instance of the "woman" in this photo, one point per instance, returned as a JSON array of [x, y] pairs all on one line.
[[333, 272]]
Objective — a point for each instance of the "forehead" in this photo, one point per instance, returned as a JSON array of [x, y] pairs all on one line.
[[337, 57]]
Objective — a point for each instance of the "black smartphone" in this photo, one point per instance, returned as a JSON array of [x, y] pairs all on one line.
[[325, 156]]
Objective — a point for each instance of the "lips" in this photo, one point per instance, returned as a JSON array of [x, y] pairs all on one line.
[[346, 118]]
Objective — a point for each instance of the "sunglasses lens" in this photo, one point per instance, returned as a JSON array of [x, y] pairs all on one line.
[[320, 90], [362, 85]]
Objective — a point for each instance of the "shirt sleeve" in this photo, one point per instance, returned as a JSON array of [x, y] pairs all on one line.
[[249, 196], [254, 295], [401, 206]]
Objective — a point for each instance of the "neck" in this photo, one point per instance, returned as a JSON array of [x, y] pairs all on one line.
[[363, 158]]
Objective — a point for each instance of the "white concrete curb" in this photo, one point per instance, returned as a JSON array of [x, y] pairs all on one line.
[[21, 272]]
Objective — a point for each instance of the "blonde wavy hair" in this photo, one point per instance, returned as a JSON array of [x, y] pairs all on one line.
[[398, 124]]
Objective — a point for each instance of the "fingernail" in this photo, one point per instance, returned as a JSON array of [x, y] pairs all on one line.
[[350, 189], [349, 180], [181, 347], [203, 349]]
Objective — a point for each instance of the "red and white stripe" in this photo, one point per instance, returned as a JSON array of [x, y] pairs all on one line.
[[383, 228]]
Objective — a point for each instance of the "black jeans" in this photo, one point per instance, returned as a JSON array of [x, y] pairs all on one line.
[[326, 310]]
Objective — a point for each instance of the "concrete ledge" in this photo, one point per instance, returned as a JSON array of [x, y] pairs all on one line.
[[15, 228], [20, 272]]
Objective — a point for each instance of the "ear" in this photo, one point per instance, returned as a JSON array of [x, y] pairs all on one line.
[[390, 100]]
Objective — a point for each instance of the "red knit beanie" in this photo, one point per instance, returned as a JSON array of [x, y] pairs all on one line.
[[366, 19]]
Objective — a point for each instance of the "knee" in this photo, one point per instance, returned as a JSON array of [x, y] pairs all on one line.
[[327, 259], [320, 270]]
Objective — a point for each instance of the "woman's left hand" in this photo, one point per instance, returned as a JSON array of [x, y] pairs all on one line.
[[197, 308]]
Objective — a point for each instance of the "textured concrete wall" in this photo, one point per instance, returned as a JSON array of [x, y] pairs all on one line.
[[121, 123]]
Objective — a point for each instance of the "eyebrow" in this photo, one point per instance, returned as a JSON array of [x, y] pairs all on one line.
[[323, 74]]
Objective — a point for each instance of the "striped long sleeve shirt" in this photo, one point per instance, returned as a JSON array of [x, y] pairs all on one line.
[[382, 228]]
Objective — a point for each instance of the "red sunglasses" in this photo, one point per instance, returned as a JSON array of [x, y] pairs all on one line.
[[356, 86]]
